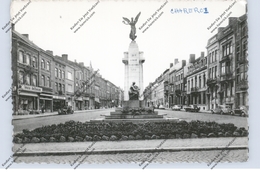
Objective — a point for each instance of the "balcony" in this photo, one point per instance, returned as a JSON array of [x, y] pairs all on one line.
[[211, 82], [194, 89], [242, 61], [92, 95], [226, 77], [242, 85], [60, 92], [178, 92], [226, 58]]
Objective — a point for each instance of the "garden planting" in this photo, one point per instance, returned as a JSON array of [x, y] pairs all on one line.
[[72, 131]]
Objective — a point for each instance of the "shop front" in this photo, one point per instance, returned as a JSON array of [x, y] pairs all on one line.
[[97, 103], [86, 103], [46, 102], [79, 103], [58, 102], [28, 99]]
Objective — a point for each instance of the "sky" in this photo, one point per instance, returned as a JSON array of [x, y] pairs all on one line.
[[103, 38]]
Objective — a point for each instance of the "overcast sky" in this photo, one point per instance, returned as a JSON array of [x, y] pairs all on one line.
[[104, 38]]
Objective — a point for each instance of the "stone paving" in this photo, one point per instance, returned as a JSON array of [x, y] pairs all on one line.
[[141, 159]]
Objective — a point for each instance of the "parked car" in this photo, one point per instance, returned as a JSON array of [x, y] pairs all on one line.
[[66, 110], [242, 111], [222, 109], [192, 108], [161, 107], [176, 107]]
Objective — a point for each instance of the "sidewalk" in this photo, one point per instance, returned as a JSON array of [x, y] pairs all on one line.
[[17, 117], [203, 111], [132, 146]]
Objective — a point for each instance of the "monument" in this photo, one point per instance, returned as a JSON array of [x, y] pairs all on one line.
[[133, 108]]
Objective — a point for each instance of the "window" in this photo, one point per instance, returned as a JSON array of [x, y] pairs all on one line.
[[28, 79], [21, 78], [209, 72], [216, 54], [63, 88], [43, 64], [204, 80], [200, 82], [48, 82], [56, 86], [212, 56], [215, 71], [69, 88], [245, 49], [56, 72], [209, 58], [48, 65], [20, 58], [33, 80], [43, 80], [60, 87], [227, 49], [27, 59], [70, 75], [228, 67], [238, 53], [59, 73], [231, 88], [63, 75], [33, 62], [223, 71]]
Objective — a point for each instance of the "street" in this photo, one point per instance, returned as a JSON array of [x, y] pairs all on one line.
[[162, 157], [206, 156], [33, 123]]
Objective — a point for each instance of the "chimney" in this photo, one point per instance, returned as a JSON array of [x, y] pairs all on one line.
[[192, 58], [75, 61], [13, 26], [176, 61], [202, 54], [171, 65], [231, 20], [183, 63], [49, 51], [220, 29], [64, 56], [81, 64], [26, 35]]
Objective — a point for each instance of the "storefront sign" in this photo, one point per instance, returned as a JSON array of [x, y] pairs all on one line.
[[59, 97], [85, 98], [31, 88]]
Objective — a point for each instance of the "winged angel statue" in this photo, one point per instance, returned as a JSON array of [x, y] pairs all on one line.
[[132, 24]]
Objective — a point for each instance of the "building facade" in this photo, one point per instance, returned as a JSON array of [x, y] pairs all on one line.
[[43, 82], [196, 81]]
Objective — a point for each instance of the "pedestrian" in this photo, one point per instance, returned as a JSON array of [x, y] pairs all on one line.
[[42, 108]]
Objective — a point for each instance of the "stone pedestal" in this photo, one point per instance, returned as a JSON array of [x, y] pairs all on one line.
[[133, 104], [133, 60]]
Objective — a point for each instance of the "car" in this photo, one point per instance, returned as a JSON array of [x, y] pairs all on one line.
[[161, 107], [66, 110], [242, 111], [176, 107], [222, 109], [192, 108]]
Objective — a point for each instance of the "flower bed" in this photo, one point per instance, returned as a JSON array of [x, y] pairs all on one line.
[[72, 131]]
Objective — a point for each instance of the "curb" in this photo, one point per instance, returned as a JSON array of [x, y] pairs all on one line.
[[55, 114], [139, 150]]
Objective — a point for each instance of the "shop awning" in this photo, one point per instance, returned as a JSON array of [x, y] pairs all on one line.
[[59, 97], [47, 95], [28, 94], [79, 99], [43, 98], [97, 100]]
